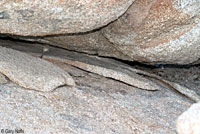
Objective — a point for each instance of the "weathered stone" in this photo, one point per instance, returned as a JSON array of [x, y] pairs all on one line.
[[92, 43], [189, 121], [36, 50], [95, 105], [158, 31], [102, 66], [3, 79], [186, 76], [150, 31], [110, 70], [105, 67], [48, 17], [31, 72]]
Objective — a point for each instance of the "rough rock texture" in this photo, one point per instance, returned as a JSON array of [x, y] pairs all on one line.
[[106, 67], [187, 76], [155, 32], [31, 72], [97, 105], [92, 43], [47, 17], [3, 79], [158, 31], [189, 121]]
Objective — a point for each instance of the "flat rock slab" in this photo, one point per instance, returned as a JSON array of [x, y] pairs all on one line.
[[31, 72], [47, 17], [102, 66], [105, 67], [96, 105]]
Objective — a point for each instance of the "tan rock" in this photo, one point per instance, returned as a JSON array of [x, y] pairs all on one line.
[[92, 43], [31, 72], [189, 121], [158, 31], [3, 79], [94, 106], [155, 32], [106, 67], [47, 17]]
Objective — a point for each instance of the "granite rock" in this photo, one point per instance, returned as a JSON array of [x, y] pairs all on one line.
[[49, 17], [158, 31], [3, 79], [154, 32], [109, 68], [32, 72], [189, 121], [96, 105], [106, 67], [93, 43]]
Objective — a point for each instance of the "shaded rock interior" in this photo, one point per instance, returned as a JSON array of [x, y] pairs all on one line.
[[95, 67], [97, 101], [187, 75]]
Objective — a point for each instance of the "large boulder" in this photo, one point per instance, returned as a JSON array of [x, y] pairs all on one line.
[[155, 32], [96, 105], [47, 17], [158, 31]]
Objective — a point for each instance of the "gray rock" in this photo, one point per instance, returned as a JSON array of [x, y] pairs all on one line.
[[37, 18], [155, 32], [105, 67], [111, 69], [95, 106], [158, 31], [92, 43], [3, 79], [102, 66], [31, 72], [189, 121]]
